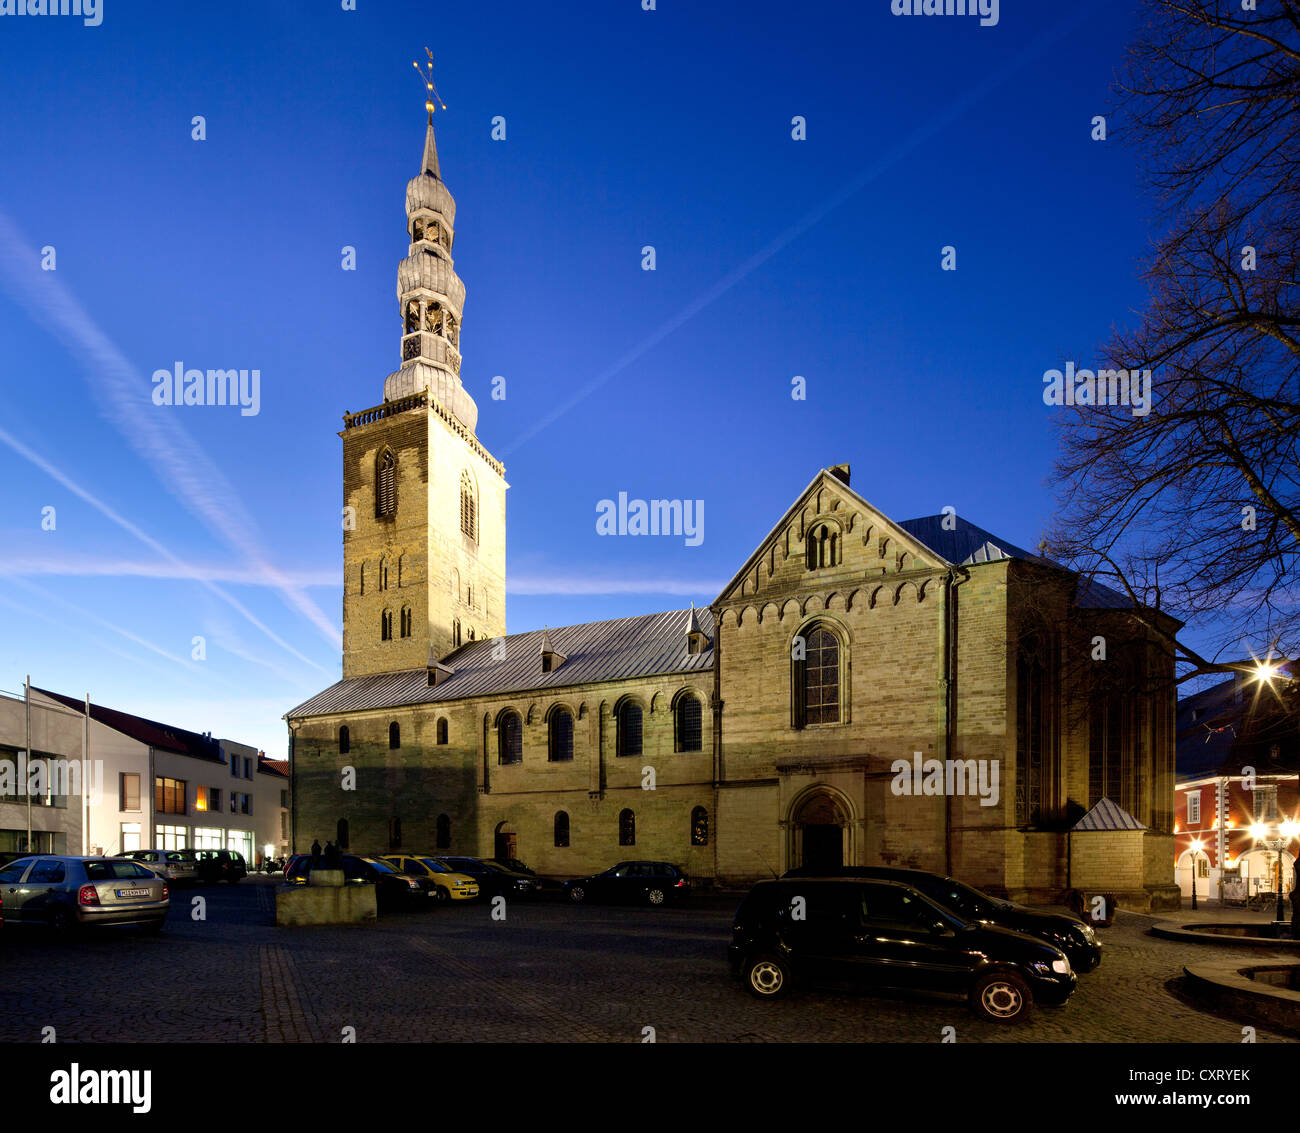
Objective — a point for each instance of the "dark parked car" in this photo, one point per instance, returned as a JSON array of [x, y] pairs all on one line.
[[393, 889], [651, 883], [494, 880], [1072, 936], [65, 893], [884, 934], [220, 865]]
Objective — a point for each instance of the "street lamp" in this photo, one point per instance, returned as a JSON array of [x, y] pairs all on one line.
[[1196, 849], [1266, 672]]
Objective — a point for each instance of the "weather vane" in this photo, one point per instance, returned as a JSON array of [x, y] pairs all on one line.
[[431, 92]]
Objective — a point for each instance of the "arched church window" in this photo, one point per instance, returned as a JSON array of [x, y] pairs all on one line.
[[442, 730], [626, 828], [386, 626], [412, 316], [699, 827], [561, 736], [510, 738], [817, 678], [561, 828], [386, 484], [1033, 726], [406, 621], [468, 506], [394, 736], [345, 740], [686, 721], [629, 728]]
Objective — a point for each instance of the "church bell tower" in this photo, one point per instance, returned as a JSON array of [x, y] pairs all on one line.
[[424, 502]]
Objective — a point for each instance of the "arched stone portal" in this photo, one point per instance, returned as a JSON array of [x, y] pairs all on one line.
[[821, 830]]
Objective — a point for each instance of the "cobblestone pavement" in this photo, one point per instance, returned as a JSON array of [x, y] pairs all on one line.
[[549, 972]]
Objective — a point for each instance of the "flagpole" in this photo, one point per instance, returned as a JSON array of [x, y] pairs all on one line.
[[27, 704], [85, 782]]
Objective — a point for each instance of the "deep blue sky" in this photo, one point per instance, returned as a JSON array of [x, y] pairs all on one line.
[[624, 128]]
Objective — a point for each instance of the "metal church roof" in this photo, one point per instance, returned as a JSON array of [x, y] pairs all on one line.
[[642, 646], [1108, 815]]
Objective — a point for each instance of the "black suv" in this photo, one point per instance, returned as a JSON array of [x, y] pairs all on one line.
[[493, 880], [653, 883], [884, 934], [220, 865], [1072, 936]]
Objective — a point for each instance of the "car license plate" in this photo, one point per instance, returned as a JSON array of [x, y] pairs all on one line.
[[133, 893]]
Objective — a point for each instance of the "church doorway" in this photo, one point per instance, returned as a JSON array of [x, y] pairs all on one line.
[[823, 846], [506, 845], [821, 824]]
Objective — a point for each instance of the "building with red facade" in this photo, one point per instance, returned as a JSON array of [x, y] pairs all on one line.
[[1237, 802]]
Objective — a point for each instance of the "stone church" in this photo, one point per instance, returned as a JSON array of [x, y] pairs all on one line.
[[863, 691]]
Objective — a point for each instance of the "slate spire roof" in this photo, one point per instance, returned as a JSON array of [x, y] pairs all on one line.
[[429, 166]]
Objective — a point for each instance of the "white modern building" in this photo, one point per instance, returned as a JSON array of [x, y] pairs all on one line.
[[52, 810], [150, 785]]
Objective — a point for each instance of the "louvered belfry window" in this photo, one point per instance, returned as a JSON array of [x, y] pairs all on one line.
[[468, 507], [386, 484]]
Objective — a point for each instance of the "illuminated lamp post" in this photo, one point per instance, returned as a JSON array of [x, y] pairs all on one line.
[[1266, 672], [1196, 850]]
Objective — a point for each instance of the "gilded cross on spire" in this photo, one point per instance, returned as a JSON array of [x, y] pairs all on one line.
[[431, 95]]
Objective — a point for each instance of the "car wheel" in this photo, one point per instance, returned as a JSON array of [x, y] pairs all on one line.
[[1001, 997], [767, 977], [655, 896], [577, 894], [443, 895], [62, 922]]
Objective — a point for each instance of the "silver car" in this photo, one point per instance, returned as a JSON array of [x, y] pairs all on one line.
[[64, 893], [177, 866]]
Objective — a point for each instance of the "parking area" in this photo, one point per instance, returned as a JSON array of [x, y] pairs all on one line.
[[549, 972]]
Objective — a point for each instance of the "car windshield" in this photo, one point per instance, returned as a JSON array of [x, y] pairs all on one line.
[[970, 902], [382, 867], [497, 868], [437, 867]]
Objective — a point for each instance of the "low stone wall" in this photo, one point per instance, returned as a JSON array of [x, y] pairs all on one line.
[[1261, 1002], [326, 899]]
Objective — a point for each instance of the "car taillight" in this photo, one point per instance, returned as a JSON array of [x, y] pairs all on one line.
[[164, 891], [88, 895], [680, 883]]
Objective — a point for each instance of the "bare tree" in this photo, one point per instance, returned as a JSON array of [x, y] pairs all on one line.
[[1194, 509]]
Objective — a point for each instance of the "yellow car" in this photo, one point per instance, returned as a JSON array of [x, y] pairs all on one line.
[[448, 884]]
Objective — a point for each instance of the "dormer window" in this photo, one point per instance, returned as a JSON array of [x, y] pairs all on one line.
[[697, 640], [551, 658]]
